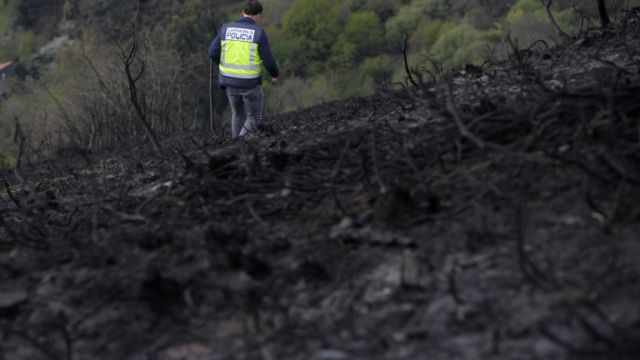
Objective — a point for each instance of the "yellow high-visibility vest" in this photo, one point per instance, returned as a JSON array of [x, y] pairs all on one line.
[[239, 57]]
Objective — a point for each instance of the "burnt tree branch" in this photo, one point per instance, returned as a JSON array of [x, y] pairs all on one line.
[[130, 57], [406, 63], [457, 117], [547, 6]]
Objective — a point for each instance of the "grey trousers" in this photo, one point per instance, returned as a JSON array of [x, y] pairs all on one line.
[[246, 109]]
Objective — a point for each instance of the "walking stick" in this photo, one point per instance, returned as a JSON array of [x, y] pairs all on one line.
[[212, 107]]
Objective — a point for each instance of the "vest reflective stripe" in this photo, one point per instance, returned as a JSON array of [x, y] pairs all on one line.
[[242, 67], [253, 49], [240, 59], [237, 75]]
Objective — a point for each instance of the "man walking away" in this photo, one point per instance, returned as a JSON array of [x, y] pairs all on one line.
[[241, 49]]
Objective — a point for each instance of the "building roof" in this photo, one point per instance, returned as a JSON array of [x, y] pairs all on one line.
[[6, 65]]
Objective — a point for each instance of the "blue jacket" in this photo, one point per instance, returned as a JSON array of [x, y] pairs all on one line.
[[263, 48]]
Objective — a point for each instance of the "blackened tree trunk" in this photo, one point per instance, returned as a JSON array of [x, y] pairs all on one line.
[[547, 5], [604, 15]]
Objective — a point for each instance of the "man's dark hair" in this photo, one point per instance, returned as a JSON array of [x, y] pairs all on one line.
[[253, 8]]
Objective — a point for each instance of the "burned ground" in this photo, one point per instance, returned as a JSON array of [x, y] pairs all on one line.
[[493, 216]]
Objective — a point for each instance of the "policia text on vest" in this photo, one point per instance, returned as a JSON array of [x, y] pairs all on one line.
[[242, 49], [240, 34]]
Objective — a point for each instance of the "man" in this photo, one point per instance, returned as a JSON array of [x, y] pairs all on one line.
[[241, 49]]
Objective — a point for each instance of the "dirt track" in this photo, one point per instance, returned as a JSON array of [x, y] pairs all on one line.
[[496, 217]]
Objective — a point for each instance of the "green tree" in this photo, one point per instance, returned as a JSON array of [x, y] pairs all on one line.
[[5, 19], [528, 29], [383, 8], [528, 21], [279, 43], [28, 44], [409, 16], [189, 28], [274, 11], [37, 15], [363, 36], [365, 30], [376, 71], [344, 53], [428, 32], [105, 15], [462, 45], [523, 7], [479, 17], [310, 28]]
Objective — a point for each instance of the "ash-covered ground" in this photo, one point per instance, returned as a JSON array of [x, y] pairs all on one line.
[[493, 216]]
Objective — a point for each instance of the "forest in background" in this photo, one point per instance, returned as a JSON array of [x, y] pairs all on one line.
[[70, 90]]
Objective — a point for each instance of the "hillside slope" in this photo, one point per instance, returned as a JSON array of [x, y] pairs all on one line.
[[494, 217]]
